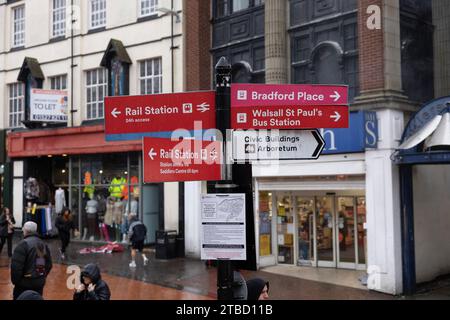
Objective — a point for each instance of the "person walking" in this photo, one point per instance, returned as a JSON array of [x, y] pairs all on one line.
[[64, 224], [137, 233], [6, 230], [92, 286], [257, 289], [31, 262]]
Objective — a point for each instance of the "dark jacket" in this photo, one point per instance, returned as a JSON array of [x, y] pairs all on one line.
[[3, 226], [101, 291], [25, 263], [30, 295], [64, 225]]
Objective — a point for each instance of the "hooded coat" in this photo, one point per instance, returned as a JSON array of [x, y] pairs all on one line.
[[30, 295], [255, 287], [101, 291]]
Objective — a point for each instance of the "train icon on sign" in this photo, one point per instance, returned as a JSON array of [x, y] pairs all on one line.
[[187, 107]]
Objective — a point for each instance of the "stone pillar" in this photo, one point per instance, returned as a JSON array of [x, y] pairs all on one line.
[[384, 257], [380, 76], [275, 41], [441, 22]]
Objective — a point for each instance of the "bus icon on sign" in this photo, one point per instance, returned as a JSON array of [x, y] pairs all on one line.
[[241, 118], [242, 94]]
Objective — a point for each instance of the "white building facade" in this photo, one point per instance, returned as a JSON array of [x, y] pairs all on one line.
[[67, 41]]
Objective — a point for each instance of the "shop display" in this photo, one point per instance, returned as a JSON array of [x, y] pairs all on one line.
[[285, 229], [60, 200]]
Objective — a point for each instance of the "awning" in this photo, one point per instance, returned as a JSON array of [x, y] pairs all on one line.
[[70, 141]]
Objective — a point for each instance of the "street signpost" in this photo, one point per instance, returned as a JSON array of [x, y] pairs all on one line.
[[277, 145], [289, 117], [132, 117], [166, 160], [250, 95]]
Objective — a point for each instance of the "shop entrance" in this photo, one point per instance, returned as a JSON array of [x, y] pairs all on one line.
[[321, 230]]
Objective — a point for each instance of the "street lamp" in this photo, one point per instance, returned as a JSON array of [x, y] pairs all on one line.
[[171, 12]]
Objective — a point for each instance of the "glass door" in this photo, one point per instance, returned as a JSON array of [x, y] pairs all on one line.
[[285, 229], [347, 249], [305, 232], [362, 233], [325, 231]]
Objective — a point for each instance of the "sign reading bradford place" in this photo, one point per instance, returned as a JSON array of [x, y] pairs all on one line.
[[48, 105]]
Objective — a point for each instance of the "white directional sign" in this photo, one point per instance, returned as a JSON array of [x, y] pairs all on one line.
[[277, 145]]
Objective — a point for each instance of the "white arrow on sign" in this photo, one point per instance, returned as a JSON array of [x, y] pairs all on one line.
[[152, 154], [336, 96], [336, 116], [277, 145], [115, 112], [203, 107]]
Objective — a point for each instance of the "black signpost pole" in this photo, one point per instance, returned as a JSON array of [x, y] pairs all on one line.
[[226, 185]]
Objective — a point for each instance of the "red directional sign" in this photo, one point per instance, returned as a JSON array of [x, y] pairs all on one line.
[[182, 160], [248, 95], [132, 115], [295, 117]]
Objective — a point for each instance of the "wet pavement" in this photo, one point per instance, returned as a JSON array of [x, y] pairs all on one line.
[[181, 278], [185, 278]]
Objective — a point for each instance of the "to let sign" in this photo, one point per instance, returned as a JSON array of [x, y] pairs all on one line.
[[48, 106], [166, 160], [249, 95], [131, 117]]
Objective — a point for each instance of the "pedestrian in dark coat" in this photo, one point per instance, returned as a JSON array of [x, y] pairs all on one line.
[[30, 295], [257, 289], [31, 262], [64, 224], [7, 223], [92, 286]]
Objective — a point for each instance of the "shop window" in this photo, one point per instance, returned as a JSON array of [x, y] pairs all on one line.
[[18, 27], [58, 82], [60, 172], [97, 14], [265, 223], [16, 104], [96, 90], [285, 230], [59, 18], [147, 7], [150, 76]]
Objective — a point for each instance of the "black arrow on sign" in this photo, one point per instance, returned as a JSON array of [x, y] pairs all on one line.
[[320, 144]]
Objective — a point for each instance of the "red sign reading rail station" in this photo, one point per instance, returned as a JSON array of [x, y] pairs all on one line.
[[129, 116], [166, 160]]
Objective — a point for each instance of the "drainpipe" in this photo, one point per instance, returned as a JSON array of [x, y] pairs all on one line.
[[71, 64], [171, 45]]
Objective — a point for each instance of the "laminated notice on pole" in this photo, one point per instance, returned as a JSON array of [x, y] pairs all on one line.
[[223, 227]]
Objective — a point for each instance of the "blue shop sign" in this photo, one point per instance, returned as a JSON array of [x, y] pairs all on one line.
[[361, 134]]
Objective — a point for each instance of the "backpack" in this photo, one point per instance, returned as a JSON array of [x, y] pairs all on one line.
[[139, 233], [39, 263]]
